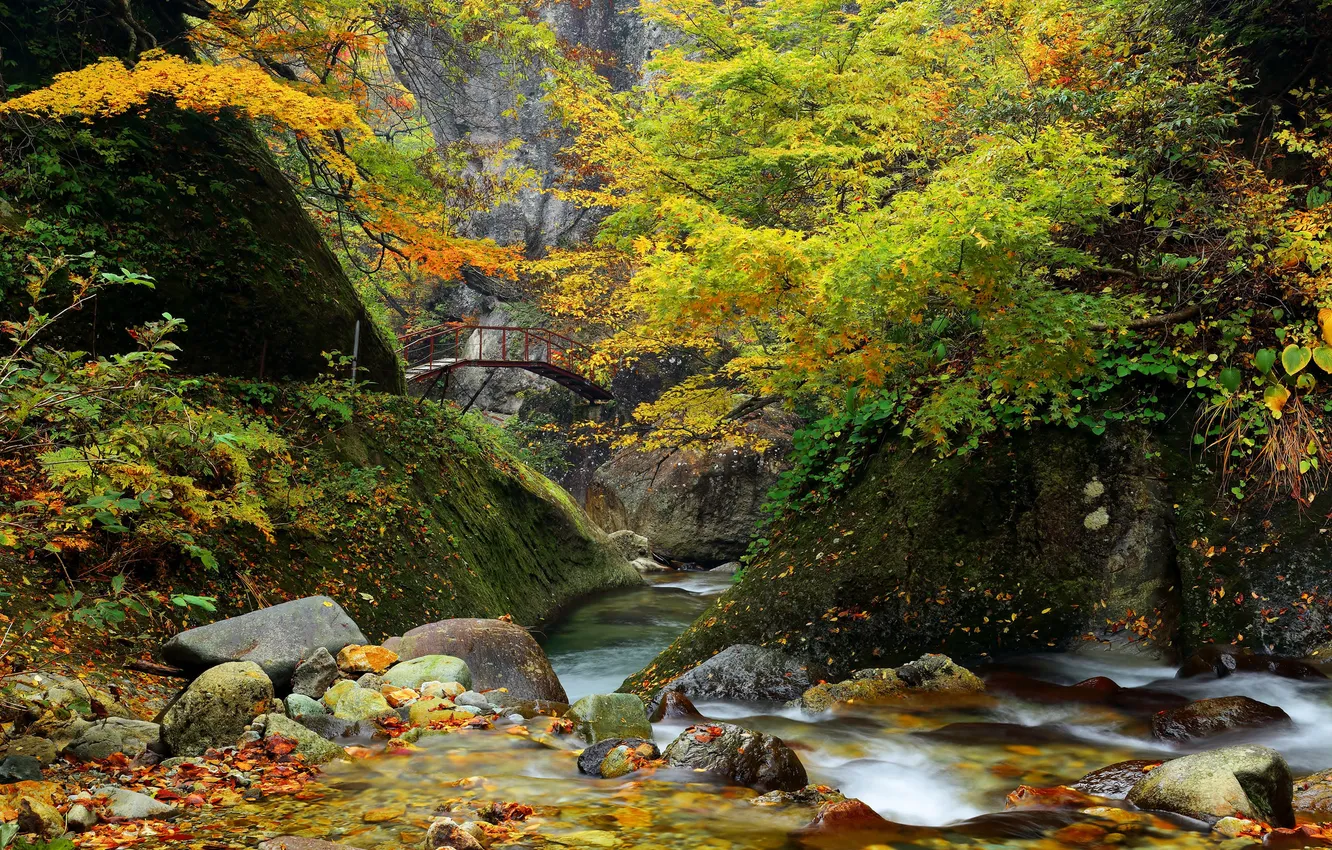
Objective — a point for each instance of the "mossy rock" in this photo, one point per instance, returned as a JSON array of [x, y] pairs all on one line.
[[1002, 550], [599, 717]]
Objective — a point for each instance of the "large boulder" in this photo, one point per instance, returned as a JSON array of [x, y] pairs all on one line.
[[599, 717], [997, 549], [309, 744], [1207, 718], [1250, 781], [738, 755], [933, 673], [745, 673], [415, 672], [694, 505], [498, 654], [276, 638], [114, 735], [216, 707]]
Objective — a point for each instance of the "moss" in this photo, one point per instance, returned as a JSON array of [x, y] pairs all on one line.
[[965, 556]]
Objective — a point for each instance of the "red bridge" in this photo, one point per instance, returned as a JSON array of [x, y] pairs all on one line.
[[435, 352]]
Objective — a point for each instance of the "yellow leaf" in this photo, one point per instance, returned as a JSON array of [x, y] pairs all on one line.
[[1275, 397]]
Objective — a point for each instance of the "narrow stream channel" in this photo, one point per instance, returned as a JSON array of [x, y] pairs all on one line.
[[931, 762]]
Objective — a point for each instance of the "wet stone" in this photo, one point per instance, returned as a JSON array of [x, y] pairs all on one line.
[[1116, 780], [1210, 717]]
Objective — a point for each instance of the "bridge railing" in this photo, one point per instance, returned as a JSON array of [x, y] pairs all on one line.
[[454, 344]]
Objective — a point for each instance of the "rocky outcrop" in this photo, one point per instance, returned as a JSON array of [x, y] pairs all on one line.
[[497, 654], [695, 506], [1250, 781], [216, 707], [745, 673], [999, 550], [276, 638], [738, 756]]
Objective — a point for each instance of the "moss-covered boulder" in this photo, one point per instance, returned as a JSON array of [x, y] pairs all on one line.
[[1026, 544], [599, 717], [929, 673], [216, 707], [1250, 781], [309, 745]]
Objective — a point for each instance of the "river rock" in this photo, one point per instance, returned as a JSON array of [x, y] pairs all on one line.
[[46, 694], [298, 704], [39, 748], [1219, 661], [673, 705], [357, 658], [1250, 781], [329, 727], [313, 746], [1209, 717], [114, 735], [276, 638], [216, 707], [738, 755], [930, 672], [415, 672], [729, 568], [360, 704], [447, 834], [842, 816], [497, 655], [810, 795], [616, 757], [19, 769], [315, 674], [80, 818], [37, 815], [631, 544], [1116, 780], [745, 673], [336, 692], [472, 699], [1313, 794], [131, 805], [601, 716]]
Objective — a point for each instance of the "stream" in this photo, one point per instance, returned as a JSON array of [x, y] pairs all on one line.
[[910, 761]]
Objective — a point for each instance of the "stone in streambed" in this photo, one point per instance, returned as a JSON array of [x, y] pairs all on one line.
[[601, 716], [415, 672], [277, 638], [296, 842], [430, 710], [1249, 781], [39, 748], [616, 757], [315, 674], [360, 704], [131, 805], [673, 705], [80, 818], [335, 693], [1214, 661], [739, 756], [745, 673], [309, 744], [929, 673], [448, 834], [360, 658], [497, 655], [1313, 794], [216, 707], [329, 727], [1209, 717], [298, 704], [810, 795], [1116, 780], [114, 735], [19, 769]]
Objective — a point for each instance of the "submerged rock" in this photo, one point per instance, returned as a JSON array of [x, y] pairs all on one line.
[[601, 716], [1209, 717], [810, 795], [1313, 794], [739, 756], [617, 757], [216, 707], [315, 674], [447, 834], [114, 735], [930, 672], [1116, 780], [276, 638], [497, 655], [745, 673], [296, 842], [1250, 781]]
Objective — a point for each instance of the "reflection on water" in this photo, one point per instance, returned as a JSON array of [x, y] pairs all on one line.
[[606, 639], [934, 761]]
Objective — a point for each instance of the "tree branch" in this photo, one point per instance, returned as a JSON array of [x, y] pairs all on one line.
[[1183, 314]]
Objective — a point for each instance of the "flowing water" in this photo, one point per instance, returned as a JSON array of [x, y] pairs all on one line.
[[910, 761]]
